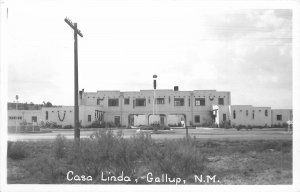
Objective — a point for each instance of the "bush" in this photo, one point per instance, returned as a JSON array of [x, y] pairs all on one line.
[[175, 125], [280, 125], [225, 124], [16, 150], [96, 124], [51, 125], [155, 127], [59, 147], [68, 127], [177, 158], [209, 124], [110, 124], [285, 125]]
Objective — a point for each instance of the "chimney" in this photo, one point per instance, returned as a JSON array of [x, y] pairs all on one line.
[[176, 88], [80, 93]]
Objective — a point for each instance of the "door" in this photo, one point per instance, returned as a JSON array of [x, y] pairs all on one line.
[[224, 117], [131, 120], [162, 120], [117, 121]]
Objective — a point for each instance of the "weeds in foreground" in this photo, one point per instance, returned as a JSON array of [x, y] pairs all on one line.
[[59, 146], [16, 150], [111, 154]]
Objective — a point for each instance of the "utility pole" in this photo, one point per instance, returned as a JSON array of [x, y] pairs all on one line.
[[154, 88], [17, 98], [76, 108]]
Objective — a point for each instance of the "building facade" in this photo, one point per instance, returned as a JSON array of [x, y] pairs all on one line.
[[246, 115], [281, 116], [164, 106]]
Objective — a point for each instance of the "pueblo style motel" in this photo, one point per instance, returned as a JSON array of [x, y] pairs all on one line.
[[159, 106]]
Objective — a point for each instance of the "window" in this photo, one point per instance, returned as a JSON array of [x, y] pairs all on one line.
[[234, 114], [189, 101], [247, 112], [14, 117], [224, 117], [221, 101], [266, 113], [279, 118], [126, 101], [89, 118], [113, 102], [160, 101], [46, 115], [253, 114], [169, 99], [34, 118], [197, 118], [178, 101], [200, 101], [98, 101], [140, 102]]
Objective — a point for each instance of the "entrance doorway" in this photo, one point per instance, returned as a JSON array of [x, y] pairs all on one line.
[[162, 120], [117, 121], [131, 120]]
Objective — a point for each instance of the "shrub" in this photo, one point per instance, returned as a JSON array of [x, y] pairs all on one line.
[[68, 127], [177, 158], [52, 125], [59, 146], [280, 125], [96, 124], [285, 125], [174, 125], [239, 127], [209, 124], [110, 124], [214, 125], [225, 124], [16, 150]]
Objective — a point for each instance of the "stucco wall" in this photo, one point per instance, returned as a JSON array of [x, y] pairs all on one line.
[[189, 109], [287, 114], [262, 115], [65, 115], [26, 115]]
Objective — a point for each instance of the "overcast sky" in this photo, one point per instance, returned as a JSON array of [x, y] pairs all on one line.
[[245, 51]]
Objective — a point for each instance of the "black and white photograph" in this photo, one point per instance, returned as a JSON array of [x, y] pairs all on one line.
[[164, 95]]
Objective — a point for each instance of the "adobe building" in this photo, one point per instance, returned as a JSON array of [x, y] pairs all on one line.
[[159, 106], [168, 108], [281, 116], [246, 115]]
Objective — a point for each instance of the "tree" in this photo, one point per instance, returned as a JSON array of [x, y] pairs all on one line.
[[49, 104]]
